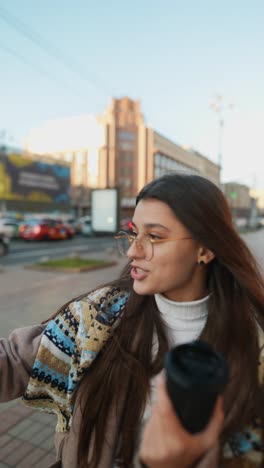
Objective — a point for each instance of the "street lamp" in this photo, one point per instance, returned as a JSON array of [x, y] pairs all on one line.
[[218, 105]]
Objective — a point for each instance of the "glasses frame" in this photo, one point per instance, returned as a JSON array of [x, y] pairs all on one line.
[[133, 238]]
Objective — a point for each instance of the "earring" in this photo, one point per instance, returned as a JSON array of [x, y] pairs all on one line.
[[201, 262]]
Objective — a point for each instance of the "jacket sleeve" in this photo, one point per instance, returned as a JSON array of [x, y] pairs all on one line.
[[17, 355]]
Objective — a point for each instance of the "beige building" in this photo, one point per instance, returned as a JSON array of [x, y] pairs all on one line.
[[258, 194], [239, 199], [78, 141], [170, 157], [237, 194], [116, 149]]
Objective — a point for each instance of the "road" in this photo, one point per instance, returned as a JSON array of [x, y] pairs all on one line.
[[255, 241], [22, 252]]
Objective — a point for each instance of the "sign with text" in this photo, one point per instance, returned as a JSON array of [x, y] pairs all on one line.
[[22, 178]]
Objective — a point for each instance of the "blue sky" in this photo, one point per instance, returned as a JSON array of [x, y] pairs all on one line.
[[173, 56]]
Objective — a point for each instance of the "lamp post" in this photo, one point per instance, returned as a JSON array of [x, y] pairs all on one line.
[[218, 105]]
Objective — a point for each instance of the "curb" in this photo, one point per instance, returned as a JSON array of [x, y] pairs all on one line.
[[70, 270]]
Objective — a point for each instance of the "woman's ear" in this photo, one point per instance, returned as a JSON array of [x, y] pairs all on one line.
[[205, 256]]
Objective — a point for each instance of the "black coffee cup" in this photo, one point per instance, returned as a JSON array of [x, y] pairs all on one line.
[[195, 376]]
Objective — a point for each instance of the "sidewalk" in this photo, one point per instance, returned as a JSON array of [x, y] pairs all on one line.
[[26, 437], [28, 297]]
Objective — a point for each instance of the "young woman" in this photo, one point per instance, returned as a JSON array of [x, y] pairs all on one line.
[[95, 362]]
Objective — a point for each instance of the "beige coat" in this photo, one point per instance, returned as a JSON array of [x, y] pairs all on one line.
[[17, 355]]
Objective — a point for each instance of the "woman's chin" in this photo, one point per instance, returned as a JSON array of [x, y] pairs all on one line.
[[142, 289]]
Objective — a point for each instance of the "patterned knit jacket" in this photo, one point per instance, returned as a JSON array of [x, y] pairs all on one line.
[[69, 345]]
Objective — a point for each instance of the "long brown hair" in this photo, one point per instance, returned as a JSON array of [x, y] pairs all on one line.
[[236, 306]]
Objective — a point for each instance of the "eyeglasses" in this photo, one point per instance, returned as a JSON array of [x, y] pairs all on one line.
[[146, 243]]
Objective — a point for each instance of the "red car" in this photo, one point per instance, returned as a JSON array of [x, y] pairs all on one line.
[[126, 225], [46, 229]]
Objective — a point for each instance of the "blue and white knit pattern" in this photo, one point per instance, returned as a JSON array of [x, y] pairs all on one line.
[[69, 345]]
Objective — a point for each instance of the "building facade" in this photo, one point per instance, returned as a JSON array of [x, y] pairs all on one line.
[[239, 199], [78, 141], [116, 149], [258, 194]]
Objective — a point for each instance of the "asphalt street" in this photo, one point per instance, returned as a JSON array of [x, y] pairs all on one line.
[[24, 252]]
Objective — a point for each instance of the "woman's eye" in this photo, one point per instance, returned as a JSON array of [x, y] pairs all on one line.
[[133, 234], [154, 237]]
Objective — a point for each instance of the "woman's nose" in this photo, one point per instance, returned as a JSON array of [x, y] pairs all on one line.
[[135, 250]]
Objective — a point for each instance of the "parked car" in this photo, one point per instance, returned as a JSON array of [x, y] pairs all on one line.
[[85, 225], [75, 224], [4, 244], [126, 225], [254, 222], [46, 229], [70, 230], [7, 227]]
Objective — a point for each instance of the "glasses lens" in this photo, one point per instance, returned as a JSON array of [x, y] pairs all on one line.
[[144, 245], [148, 248], [122, 244]]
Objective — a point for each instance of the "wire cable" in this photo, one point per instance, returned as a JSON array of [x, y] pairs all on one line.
[[39, 69], [67, 61]]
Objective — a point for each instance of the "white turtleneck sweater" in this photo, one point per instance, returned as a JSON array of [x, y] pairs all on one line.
[[185, 320]]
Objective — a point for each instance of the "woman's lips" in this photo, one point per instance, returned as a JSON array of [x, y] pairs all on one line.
[[138, 274]]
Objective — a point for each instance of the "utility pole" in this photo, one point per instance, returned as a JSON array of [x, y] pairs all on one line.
[[218, 105]]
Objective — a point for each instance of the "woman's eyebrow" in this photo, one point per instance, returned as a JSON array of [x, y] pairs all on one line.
[[152, 225]]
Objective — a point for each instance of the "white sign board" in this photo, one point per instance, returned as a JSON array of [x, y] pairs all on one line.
[[105, 210]]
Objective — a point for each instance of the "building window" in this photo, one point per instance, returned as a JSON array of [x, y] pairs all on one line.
[[157, 159], [125, 135], [126, 156], [126, 145], [126, 171], [125, 182], [164, 165], [126, 139]]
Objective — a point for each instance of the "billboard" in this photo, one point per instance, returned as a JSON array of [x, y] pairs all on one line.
[[22, 178], [105, 210]]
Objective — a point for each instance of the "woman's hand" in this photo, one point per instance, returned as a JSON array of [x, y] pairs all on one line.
[[166, 444]]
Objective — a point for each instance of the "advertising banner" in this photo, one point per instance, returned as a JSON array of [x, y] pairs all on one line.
[[22, 178]]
